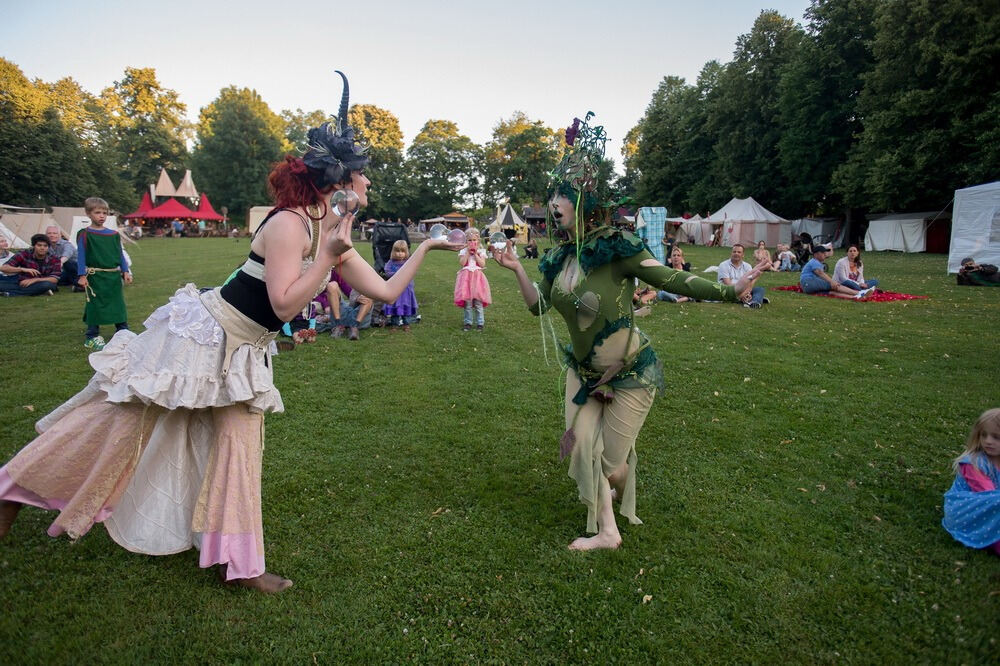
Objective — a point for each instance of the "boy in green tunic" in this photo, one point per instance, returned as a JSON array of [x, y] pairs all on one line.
[[102, 267]]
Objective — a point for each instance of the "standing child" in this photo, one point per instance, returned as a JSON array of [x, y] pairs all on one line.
[[102, 266], [972, 504], [402, 312], [472, 290]]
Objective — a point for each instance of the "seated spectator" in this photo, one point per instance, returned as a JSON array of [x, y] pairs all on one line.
[[37, 271], [8, 283], [731, 271], [348, 309], [5, 253], [814, 278], [787, 260], [66, 252], [675, 261], [531, 249], [972, 274], [849, 271], [762, 254]]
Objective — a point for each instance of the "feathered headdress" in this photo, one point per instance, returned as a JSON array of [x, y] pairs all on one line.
[[333, 151]]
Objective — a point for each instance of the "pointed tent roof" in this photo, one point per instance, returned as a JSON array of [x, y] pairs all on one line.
[[170, 209], [144, 207], [186, 188], [743, 210], [508, 218], [205, 210], [165, 186]]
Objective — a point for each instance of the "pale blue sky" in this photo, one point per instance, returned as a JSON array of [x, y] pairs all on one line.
[[470, 62]]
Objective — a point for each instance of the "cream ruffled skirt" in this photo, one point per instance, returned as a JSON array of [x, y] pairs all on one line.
[[162, 445]]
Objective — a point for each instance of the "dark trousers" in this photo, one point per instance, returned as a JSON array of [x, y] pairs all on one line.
[[94, 331]]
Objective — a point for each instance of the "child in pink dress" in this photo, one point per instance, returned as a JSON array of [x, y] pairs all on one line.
[[472, 290]]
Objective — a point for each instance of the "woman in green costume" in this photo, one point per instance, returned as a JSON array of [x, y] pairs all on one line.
[[612, 372]]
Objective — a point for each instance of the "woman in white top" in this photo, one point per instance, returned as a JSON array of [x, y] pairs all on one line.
[[849, 271]]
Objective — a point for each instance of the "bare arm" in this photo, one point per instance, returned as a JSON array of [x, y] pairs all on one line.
[[363, 277], [285, 240]]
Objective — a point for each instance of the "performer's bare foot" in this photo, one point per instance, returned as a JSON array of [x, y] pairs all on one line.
[[597, 542], [268, 583], [8, 514]]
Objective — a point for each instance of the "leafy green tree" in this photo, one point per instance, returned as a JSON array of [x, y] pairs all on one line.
[[930, 107], [239, 139], [518, 160], [442, 168], [379, 129], [297, 125], [148, 122], [745, 118], [818, 94], [54, 148]]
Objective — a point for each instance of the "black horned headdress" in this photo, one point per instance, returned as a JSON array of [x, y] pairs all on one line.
[[333, 152]]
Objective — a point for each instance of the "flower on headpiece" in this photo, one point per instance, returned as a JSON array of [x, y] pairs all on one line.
[[571, 132]]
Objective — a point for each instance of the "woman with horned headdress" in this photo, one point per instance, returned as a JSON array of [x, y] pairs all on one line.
[[612, 373], [164, 444]]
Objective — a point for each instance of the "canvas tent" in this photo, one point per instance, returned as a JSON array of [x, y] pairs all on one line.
[[907, 232], [692, 230], [975, 226], [22, 226], [512, 224], [822, 230], [255, 216], [746, 221]]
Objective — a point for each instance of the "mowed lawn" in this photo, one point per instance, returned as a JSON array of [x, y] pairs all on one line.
[[790, 480]]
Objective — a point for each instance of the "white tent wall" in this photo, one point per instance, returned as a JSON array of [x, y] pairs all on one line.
[[26, 225], [824, 230], [902, 232], [14, 241], [81, 221], [746, 221], [975, 226]]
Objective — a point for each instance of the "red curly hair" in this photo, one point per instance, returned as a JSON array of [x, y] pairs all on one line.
[[290, 185]]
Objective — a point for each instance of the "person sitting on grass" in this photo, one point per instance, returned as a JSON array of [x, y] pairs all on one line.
[[972, 504], [348, 309], [36, 269], [676, 262], [814, 279], [849, 271], [787, 261], [731, 271]]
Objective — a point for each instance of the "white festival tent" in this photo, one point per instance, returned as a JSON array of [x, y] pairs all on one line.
[[901, 232], [692, 229], [825, 230], [975, 226], [746, 221]]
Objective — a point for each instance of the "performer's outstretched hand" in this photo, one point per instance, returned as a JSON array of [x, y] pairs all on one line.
[[507, 257], [338, 241], [443, 244]]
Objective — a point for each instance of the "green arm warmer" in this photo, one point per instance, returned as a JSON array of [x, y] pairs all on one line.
[[677, 282]]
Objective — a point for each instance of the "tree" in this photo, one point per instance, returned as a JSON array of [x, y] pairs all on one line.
[[239, 139], [297, 125], [745, 118], [379, 129], [442, 168], [148, 123], [54, 148], [518, 160], [930, 106], [818, 93]]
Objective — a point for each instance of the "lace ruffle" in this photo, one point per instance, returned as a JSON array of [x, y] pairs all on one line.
[[186, 317]]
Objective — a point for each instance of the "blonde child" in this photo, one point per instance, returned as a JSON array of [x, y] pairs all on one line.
[[472, 290], [101, 266], [972, 504], [402, 312]]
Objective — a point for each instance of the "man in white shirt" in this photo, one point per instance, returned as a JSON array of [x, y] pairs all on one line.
[[732, 270]]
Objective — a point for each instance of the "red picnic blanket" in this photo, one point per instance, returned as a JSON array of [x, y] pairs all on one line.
[[879, 297]]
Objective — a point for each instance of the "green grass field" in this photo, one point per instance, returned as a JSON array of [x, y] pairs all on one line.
[[790, 481]]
